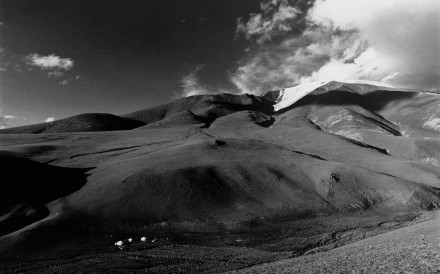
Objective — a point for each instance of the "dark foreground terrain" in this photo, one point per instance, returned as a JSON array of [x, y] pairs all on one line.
[[266, 249], [225, 182]]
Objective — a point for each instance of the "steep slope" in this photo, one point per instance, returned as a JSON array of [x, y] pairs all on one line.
[[412, 112], [288, 96]]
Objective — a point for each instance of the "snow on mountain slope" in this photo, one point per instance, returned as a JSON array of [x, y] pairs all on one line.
[[289, 96]]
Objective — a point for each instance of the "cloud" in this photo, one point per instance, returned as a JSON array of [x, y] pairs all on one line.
[[6, 121], [64, 82], [49, 62], [50, 119], [283, 64], [392, 41], [276, 19], [190, 83], [53, 64]]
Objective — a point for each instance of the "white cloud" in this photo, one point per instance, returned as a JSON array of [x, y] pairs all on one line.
[[393, 41], [276, 18], [403, 38], [284, 64], [50, 119], [191, 84], [49, 62], [6, 121], [54, 65]]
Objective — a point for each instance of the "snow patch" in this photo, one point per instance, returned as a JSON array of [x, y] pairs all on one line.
[[280, 96], [433, 123], [289, 96]]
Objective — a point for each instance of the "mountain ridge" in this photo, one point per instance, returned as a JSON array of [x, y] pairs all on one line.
[[204, 108]]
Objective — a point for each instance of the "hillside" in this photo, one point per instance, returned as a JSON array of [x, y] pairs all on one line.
[[276, 173], [79, 123]]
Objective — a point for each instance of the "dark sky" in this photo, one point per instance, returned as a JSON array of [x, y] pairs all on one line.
[[127, 55]]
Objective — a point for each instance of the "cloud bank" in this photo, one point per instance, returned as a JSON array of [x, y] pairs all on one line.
[[393, 41]]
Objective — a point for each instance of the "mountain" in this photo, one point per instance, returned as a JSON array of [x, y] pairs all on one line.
[[284, 171]]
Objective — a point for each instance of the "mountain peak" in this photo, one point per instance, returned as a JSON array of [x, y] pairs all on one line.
[[289, 96]]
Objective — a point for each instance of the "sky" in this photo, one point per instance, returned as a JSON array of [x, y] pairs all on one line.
[[62, 58]]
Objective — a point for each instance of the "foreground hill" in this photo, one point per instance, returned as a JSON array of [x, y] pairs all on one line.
[[410, 249], [281, 172]]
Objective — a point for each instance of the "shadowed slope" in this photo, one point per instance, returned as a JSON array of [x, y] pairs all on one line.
[[26, 186]]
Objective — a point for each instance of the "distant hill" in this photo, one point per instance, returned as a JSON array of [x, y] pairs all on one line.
[[201, 108], [79, 123]]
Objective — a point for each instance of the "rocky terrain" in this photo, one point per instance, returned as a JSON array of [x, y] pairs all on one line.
[[225, 182]]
